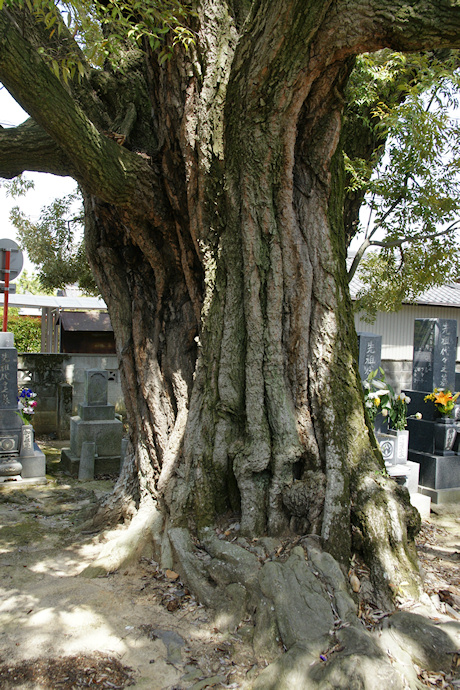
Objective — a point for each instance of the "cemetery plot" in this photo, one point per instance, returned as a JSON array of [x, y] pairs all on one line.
[[95, 433]]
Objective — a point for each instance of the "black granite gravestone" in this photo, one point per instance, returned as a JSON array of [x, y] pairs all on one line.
[[435, 349]]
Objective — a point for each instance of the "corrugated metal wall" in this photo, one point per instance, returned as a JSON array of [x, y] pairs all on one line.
[[397, 329]]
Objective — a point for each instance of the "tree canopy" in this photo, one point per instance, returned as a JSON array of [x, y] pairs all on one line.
[[55, 244], [409, 175]]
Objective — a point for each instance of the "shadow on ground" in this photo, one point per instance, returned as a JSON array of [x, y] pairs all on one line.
[[143, 624]]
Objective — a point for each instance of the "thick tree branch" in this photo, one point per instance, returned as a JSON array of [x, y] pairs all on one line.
[[59, 44], [420, 25], [29, 147], [113, 173], [400, 25]]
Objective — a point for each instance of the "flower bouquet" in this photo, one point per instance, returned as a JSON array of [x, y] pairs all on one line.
[[27, 405], [381, 397], [444, 401]]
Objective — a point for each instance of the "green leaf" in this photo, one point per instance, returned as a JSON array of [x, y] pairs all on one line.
[[55, 67]]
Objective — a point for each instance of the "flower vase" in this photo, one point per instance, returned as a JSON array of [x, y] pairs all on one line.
[[402, 445], [28, 438], [445, 432], [32, 459]]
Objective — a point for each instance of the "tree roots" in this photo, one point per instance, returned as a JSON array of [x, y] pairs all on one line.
[[298, 601]]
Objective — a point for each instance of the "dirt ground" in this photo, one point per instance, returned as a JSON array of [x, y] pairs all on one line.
[[138, 627]]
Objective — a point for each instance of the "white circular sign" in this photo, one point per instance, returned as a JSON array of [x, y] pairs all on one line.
[[16, 258]]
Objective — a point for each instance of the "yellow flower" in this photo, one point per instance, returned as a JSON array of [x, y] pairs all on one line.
[[376, 402]]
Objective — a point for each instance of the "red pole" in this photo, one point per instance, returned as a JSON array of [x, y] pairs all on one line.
[[7, 286]]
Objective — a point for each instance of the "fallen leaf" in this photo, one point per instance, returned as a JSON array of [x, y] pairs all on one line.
[[354, 582]]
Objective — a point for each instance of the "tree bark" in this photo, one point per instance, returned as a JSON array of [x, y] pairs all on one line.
[[28, 147], [216, 236]]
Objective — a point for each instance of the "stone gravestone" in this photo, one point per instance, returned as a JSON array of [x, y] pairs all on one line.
[[370, 359], [370, 353], [435, 346], [435, 350], [435, 353], [96, 388], [94, 424], [10, 422], [395, 457], [17, 447]]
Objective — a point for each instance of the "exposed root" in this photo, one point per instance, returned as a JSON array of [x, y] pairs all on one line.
[[121, 505], [291, 596], [386, 527], [130, 542], [296, 599]]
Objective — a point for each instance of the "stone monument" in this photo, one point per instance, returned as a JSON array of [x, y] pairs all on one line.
[[435, 342], [370, 359], [95, 424], [370, 353], [20, 458]]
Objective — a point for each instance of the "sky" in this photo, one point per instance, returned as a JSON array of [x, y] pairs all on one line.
[[47, 187]]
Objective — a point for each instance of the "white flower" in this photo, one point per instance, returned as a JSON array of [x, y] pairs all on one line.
[[366, 385], [384, 412], [418, 415], [381, 392], [377, 383], [407, 399]]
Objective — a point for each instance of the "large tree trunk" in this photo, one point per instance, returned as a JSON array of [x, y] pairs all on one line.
[[216, 236], [232, 316]]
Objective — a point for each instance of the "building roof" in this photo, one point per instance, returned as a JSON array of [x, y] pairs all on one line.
[[95, 321], [443, 296], [55, 302]]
